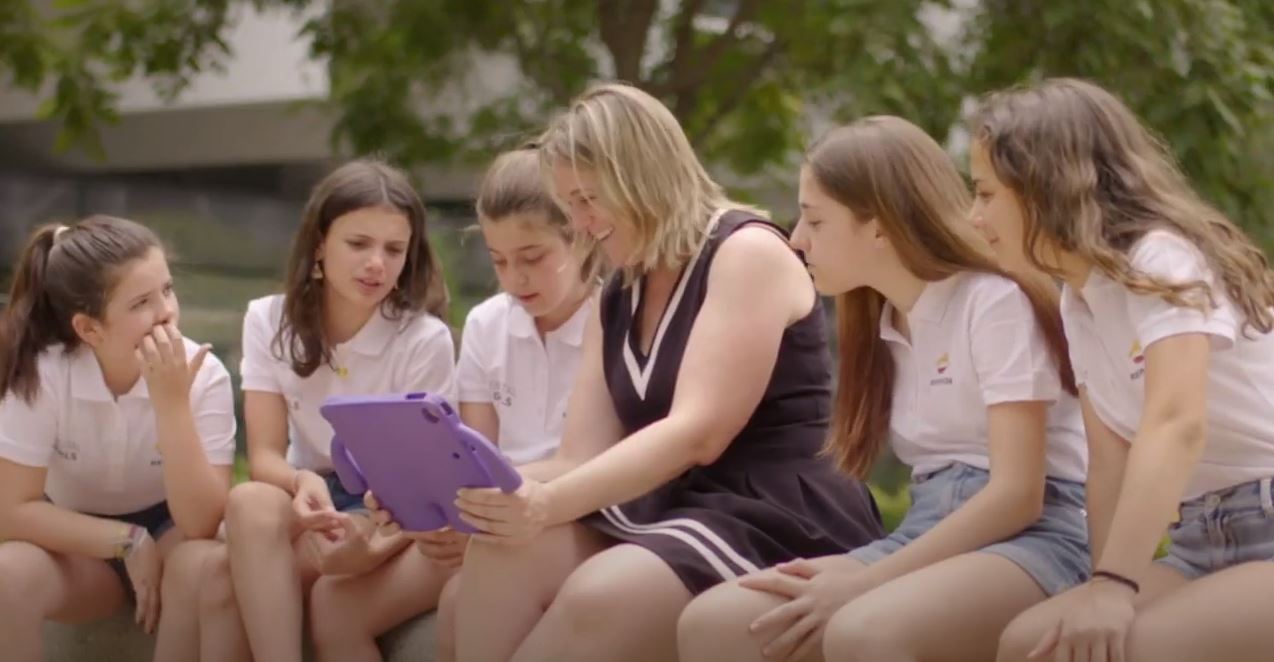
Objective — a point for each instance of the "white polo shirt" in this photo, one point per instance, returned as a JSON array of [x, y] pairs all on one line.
[[102, 452], [1110, 327], [415, 353], [504, 363], [974, 343]]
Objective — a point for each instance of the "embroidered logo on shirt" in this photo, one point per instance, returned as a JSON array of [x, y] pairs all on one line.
[[502, 393], [66, 450], [1138, 358], [942, 364]]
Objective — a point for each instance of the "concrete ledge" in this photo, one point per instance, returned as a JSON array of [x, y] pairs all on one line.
[[117, 639]]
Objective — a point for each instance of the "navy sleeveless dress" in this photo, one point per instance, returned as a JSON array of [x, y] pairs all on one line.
[[770, 497]]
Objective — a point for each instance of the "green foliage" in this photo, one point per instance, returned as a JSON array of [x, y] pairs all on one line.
[[743, 76], [893, 505], [1200, 72], [87, 45]]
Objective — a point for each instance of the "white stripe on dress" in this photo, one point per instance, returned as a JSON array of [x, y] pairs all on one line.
[[640, 377], [722, 569], [619, 518]]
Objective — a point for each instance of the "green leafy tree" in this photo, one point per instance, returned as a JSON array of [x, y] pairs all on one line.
[[745, 77], [1200, 72]]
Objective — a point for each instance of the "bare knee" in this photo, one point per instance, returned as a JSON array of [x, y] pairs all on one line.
[[1020, 637], [20, 564], [590, 605], [859, 632], [719, 617], [445, 622], [182, 573], [332, 621], [216, 593], [256, 509]]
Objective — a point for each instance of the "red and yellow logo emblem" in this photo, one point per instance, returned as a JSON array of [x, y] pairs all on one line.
[[1136, 353], [944, 362]]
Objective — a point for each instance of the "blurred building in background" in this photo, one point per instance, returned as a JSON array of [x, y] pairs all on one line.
[[222, 174]]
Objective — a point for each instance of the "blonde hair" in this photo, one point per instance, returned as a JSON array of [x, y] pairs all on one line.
[[647, 170], [886, 168], [1093, 180], [513, 185]]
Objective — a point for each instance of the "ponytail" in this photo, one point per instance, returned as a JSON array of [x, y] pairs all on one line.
[[62, 272], [30, 323]]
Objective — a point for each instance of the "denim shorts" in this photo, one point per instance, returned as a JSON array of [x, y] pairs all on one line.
[[1222, 529], [343, 501], [1053, 550]]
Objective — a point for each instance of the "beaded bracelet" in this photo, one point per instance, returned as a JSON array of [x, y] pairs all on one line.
[[1118, 579]]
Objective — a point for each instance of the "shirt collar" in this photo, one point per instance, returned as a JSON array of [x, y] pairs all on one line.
[[88, 382], [572, 333], [376, 334], [930, 306], [522, 325]]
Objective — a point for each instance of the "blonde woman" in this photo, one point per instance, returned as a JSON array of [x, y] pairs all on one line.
[[1167, 307], [963, 369], [689, 455]]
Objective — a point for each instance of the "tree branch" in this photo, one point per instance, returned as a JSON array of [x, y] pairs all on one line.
[[534, 66], [683, 42], [624, 27], [738, 91], [691, 67]]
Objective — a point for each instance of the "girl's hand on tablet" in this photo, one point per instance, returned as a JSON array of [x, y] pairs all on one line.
[[509, 519], [444, 546], [313, 505], [383, 519]]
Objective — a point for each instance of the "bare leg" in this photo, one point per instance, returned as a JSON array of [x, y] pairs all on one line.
[[177, 637], [592, 617], [1223, 617], [715, 625], [39, 585], [221, 627], [911, 618], [445, 623], [200, 619], [1026, 631], [347, 614], [507, 589], [268, 574]]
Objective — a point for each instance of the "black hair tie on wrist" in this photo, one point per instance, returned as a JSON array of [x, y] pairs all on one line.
[[1118, 579]]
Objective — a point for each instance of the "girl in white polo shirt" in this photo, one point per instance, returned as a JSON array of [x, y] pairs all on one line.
[[521, 348], [963, 368], [1167, 308], [362, 313], [116, 433]]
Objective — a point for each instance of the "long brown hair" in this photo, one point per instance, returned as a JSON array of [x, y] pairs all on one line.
[[514, 185], [1093, 180], [63, 271], [888, 169], [301, 339]]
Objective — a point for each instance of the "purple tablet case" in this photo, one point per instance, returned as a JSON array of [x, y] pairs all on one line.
[[413, 452]]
